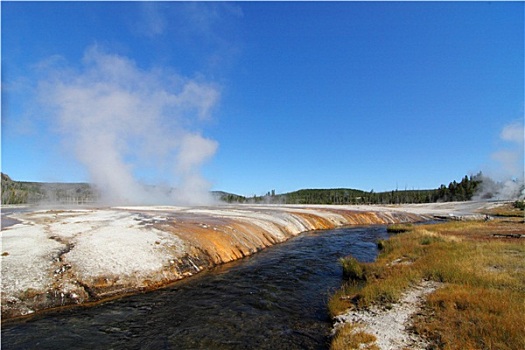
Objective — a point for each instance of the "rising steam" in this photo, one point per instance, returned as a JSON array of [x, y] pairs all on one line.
[[506, 178], [121, 120]]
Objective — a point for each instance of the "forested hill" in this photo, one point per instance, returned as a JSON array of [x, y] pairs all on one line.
[[19, 192], [22, 192], [455, 191]]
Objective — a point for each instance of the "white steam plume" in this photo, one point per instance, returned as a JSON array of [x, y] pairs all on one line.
[[120, 120], [507, 178]]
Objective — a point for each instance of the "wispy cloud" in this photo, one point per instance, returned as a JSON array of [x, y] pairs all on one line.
[[513, 133], [510, 156], [208, 19], [152, 21], [206, 31], [118, 119]]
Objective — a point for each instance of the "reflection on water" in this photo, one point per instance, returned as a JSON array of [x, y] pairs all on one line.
[[275, 299]]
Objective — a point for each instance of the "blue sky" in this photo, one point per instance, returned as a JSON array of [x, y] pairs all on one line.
[[283, 95]]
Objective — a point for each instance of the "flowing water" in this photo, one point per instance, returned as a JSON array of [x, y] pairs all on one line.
[[275, 299]]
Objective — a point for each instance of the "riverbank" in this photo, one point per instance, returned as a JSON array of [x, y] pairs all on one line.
[[75, 256], [431, 279]]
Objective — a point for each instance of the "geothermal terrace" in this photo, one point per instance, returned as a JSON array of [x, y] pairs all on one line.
[[59, 257]]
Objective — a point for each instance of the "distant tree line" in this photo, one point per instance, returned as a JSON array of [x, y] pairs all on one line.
[[455, 191]]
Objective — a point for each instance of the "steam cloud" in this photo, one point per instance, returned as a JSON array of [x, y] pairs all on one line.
[[121, 120], [509, 173]]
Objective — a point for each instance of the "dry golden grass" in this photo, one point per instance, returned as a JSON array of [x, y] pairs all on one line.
[[482, 305], [510, 209], [350, 337], [466, 317], [478, 230]]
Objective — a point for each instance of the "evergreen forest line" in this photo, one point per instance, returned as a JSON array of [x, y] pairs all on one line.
[[464, 190]]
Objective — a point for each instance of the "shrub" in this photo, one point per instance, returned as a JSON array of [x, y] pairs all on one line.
[[399, 228]]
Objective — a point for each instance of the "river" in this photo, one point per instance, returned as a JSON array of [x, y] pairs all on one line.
[[275, 299]]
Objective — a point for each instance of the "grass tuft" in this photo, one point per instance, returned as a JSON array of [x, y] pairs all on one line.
[[340, 301], [400, 228], [353, 269], [350, 337]]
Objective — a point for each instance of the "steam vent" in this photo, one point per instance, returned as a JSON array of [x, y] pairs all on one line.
[[54, 258]]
